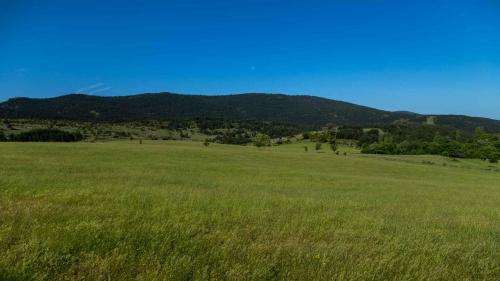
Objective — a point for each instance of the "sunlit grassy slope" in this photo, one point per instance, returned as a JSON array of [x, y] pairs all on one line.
[[181, 211]]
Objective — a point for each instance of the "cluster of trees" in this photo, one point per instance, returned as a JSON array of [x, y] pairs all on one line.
[[176, 125], [320, 136], [403, 138], [272, 129], [43, 135], [349, 133], [414, 140], [369, 137], [327, 136], [219, 130], [236, 136], [240, 132]]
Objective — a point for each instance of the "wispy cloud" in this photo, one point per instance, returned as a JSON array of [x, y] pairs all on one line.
[[21, 71], [90, 88], [100, 90]]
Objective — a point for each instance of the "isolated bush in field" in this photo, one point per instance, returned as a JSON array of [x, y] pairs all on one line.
[[333, 145], [318, 146], [261, 140], [206, 142], [306, 148], [494, 158]]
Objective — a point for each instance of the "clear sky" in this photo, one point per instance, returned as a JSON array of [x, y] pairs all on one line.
[[422, 56]]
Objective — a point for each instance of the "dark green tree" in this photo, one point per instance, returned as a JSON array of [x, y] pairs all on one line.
[[370, 137]]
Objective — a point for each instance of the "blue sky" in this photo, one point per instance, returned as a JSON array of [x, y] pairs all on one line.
[[422, 56]]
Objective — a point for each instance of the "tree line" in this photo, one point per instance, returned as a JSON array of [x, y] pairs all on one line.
[[425, 139], [43, 135]]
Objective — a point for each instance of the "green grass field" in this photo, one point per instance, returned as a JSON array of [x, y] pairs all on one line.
[[181, 211]]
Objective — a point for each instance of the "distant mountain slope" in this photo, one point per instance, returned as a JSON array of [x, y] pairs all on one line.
[[305, 111]]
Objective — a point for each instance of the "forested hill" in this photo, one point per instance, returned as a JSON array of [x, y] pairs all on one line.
[[304, 111]]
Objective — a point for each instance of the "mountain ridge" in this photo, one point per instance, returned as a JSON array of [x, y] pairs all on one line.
[[302, 110]]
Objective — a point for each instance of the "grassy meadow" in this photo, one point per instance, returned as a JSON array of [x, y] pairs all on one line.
[[172, 210]]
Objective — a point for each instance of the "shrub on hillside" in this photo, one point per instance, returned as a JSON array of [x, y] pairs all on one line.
[[262, 140]]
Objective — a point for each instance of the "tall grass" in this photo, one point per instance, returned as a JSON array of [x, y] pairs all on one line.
[[182, 211]]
